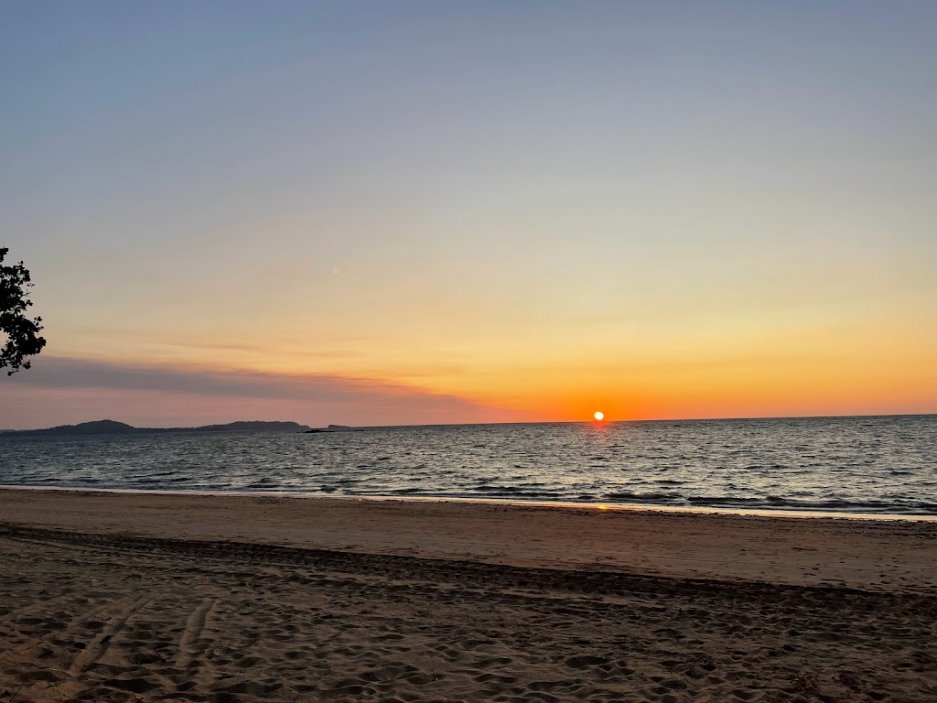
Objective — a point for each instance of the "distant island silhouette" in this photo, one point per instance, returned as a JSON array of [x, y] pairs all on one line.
[[114, 427]]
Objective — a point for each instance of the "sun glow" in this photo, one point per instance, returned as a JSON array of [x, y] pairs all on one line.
[[598, 415]]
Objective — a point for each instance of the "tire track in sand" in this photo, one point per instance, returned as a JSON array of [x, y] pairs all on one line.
[[190, 647], [35, 642], [96, 648]]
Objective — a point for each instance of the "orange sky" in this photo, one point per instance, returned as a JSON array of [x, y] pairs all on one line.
[[489, 212]]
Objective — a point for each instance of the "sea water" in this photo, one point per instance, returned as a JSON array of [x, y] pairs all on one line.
[[879, 465]]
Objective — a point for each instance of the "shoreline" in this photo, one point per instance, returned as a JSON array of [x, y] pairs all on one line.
[[858, 553], [783, 513]]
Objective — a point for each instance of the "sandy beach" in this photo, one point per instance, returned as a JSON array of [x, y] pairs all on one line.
[[133, 597]]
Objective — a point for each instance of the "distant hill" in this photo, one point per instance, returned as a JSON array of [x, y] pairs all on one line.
[[114, 427], [95, 427], [241, 426]]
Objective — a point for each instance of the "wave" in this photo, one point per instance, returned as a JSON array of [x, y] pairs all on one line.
[[907, 507], [818, 465]]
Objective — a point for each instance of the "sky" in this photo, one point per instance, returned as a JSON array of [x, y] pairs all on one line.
[[418, 212]]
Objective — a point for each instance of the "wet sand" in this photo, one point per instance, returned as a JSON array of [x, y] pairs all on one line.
[[110, 597]]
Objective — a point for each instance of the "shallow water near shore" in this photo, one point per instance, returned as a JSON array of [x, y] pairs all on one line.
[[868, 465]]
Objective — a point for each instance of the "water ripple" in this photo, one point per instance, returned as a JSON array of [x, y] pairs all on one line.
[[880, 465]]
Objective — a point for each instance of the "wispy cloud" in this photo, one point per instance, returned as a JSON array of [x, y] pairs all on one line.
[[314, 396]]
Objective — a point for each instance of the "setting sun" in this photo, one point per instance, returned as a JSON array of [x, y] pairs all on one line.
[[598, 415]]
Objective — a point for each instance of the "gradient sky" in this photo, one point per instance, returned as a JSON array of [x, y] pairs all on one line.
[[408, 212]]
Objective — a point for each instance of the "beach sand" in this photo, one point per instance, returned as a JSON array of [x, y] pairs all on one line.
[[130, 597]]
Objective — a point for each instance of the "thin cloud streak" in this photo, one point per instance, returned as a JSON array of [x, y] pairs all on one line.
[[369, 399]]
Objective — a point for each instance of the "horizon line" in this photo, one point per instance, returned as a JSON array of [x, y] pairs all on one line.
[[485, 424]]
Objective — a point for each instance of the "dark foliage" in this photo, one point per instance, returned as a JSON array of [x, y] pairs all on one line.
[[22, 333]]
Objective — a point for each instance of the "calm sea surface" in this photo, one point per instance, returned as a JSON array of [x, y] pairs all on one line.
[[869, 464]]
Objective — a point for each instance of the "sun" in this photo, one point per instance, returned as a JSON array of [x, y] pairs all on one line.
[[598, 415]]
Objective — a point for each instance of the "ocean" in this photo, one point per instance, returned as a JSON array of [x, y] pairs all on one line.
[[876, 465]]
